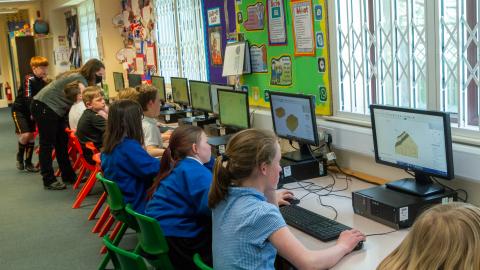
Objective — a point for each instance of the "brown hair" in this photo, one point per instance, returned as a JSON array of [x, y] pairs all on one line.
[[38, 61], [88, 71], [72, 90], [124, 121], [91, 93], [245, 151], [146, 93], [179, 147], [446, 236], [128, 93]]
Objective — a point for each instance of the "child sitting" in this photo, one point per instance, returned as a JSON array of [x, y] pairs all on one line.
[[92, 123], [124, 160], [248, 228], [446, 236], [73, 91]]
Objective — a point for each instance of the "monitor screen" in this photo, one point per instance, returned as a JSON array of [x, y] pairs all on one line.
[[415, 140], [180, 90], [134, 80], [200, 94], [233, 108], [159, 83], [213, 92], [294, 118], [118, 81]]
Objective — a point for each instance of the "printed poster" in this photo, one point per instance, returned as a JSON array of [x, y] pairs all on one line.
[[281, 71], [215, 45], [214, 16], [303, 27], [258, 58], [255, 17], [277, 33]]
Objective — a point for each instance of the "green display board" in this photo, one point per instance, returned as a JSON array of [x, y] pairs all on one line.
[[281, 62]]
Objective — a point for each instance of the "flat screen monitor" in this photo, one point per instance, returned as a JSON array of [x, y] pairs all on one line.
[[233, 109], [293, 117], [201, 96], [134, 80], [159, 83], [213, 92], [118, 81], [180, 90], [418, 141]]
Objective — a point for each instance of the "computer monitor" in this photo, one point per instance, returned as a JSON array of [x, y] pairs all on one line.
[[159, 83], [419, 141], [293, 117], [118, 81], [201, 96], [134, 80], [180, 90], [213, 93], [233, 109]]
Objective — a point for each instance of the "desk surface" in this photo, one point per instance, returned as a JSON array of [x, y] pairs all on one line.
[[375, 249]]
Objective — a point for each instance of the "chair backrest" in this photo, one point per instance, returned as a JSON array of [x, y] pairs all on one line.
[[199, 263], [115, 196], [91, 146], [122, 259], [76, 143], [151, 238]]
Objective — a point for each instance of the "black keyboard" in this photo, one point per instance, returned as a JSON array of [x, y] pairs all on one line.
[[318, 226]]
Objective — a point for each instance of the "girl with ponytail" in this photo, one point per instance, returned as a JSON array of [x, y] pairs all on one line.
[[248, 228], [179, 195]]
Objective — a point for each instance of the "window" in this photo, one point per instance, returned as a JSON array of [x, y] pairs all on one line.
[[409, 53], [180, 39], [88, 30]]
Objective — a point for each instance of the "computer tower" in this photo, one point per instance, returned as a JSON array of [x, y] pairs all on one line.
[[293, 171]]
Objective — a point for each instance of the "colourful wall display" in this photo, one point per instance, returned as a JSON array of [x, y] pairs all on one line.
[[285, 70]]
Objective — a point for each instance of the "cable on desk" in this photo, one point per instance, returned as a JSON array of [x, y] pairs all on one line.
[[375, 234], [452, 189]]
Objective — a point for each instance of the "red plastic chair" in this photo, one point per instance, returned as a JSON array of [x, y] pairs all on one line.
[[94, 169]]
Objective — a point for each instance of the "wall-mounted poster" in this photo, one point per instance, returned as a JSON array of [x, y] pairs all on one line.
[[277, 33], [255, 17], [258, 57], [214, 16], [215, 41], [303, 27], [281, 71]]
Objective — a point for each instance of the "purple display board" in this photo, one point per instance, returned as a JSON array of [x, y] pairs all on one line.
[[216, 35]]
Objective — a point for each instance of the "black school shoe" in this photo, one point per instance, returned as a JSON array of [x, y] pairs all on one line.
[[31, 168], [20, 165], [55, 186]]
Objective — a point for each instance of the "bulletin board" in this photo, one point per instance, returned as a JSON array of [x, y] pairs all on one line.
[[294, 62]]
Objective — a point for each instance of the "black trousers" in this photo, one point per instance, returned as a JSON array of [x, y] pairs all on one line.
[[51, 129], [181, 250]]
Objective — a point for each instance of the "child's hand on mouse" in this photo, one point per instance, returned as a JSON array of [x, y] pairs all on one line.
[[283, 197]]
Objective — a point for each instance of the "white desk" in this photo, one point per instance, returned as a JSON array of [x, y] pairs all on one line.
[[375, 248]]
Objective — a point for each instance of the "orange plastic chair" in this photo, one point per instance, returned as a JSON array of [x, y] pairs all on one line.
[[94, 169]]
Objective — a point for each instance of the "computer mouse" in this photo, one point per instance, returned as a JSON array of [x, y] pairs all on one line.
[[293, 201], [358, 246]]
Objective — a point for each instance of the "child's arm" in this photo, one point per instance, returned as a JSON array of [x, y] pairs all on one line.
[[291, 249], [154, 151]]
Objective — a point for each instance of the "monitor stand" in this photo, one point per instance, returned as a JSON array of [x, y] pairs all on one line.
[[420, 186], [301, 155]]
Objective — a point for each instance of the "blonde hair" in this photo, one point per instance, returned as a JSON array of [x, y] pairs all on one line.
[[444, 237], [91, 93], [38, 61], [128, 93], [245, 151]]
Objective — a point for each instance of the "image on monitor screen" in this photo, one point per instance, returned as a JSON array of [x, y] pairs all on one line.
[[159, 83], [415, 140], [233, 109], [180, 90], [293, 117], [118, 81], [200, 95], [134, 80], [213, 92]]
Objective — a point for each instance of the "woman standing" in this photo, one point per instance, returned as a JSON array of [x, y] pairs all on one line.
[[49, 109]]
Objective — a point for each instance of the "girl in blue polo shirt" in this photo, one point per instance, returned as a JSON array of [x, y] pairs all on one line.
[[179, 196], [248, 228], [124, 160]]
